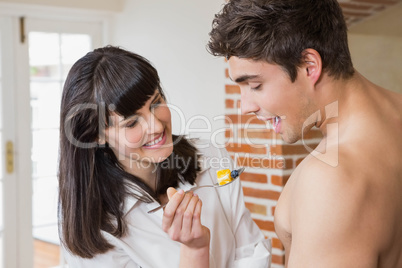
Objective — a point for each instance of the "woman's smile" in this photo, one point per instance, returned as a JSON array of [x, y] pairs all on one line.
[[157, 142]]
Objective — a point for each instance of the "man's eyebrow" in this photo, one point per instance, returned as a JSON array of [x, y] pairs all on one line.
[[245, 78]]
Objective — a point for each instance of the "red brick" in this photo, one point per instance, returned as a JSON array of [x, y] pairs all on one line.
[[273, 210], [238, 104], [266, 194], [242, 119], [232, 89], [256, 208], [245, 148], [253, 177], [279, 180], [256, 162], [278, 259], [265, 225], [229, 103], [227, 73], [228, 133], [276, 243], [288, 164], [298, 161]]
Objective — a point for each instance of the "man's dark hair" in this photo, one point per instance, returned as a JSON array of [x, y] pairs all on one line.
[[278, 31]]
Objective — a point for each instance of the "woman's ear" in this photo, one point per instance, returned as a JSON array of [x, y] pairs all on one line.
[[312, 64], [101, 140], [101, 143]]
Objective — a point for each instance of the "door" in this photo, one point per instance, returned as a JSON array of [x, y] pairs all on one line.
[[45, 56], [8, 186]]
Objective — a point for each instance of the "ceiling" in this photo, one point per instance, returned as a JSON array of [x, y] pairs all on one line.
[[377, 17]]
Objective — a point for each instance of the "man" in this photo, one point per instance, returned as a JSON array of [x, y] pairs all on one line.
[[342, 206]]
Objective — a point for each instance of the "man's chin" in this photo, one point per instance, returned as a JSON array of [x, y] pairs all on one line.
[[290, 139]]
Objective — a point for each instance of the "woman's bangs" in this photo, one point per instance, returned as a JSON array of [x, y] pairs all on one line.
[[133, 87], [134, 98]]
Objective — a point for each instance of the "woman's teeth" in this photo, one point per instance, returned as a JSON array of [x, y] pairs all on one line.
[[154, 141]]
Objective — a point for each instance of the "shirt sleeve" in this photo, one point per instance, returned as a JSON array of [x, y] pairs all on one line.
[[252, 249], [113, 258]]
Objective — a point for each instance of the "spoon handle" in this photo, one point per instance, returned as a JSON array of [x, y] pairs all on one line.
[[235, 173]]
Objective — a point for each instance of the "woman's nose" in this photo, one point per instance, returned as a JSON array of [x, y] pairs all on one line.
[[155, 126]]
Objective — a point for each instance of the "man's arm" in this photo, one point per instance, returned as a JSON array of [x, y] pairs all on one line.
[[333, 218]]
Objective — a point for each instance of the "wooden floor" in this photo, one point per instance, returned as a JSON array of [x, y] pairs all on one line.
[[46, 255]]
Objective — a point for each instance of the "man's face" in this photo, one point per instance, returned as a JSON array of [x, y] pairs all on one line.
[[268, 92]]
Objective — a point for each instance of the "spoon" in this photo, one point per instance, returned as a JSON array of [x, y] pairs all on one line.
[[234, 174]]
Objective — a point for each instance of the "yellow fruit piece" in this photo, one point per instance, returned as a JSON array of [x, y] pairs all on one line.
[[224, 176]]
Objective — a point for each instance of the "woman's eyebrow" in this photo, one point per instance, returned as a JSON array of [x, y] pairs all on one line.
[[157, 96]]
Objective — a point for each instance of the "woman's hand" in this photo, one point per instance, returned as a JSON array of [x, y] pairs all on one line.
[[182, 222]]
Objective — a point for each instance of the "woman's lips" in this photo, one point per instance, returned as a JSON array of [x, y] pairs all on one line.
[[156, 143]]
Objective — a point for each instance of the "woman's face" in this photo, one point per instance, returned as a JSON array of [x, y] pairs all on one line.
[[145, 137]]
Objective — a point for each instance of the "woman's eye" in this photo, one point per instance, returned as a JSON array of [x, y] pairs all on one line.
[[132, 123], [156, 104]]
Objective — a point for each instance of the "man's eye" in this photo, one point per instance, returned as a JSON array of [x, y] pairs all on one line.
[[255, 86]]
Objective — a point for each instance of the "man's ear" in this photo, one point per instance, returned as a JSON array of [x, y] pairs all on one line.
[[312, 64]]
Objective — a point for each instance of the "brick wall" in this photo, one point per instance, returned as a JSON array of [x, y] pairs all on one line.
[[268, 160]]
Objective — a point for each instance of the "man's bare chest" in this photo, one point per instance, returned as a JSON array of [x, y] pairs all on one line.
[[282, 217]]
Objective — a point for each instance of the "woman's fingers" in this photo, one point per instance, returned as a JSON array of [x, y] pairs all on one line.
[[188, 217], [170, 192], [182, 219], [176, 226], [197, 215], [170, 209]]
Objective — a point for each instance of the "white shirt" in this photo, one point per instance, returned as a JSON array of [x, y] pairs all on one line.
[[236, 241]]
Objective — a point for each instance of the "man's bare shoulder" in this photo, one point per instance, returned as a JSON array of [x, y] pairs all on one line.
[[341, 210], [332, 216]]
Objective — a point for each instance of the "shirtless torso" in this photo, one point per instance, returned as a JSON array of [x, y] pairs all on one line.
[[343, 208]]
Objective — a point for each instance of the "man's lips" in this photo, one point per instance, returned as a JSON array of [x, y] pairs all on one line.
[[275, 121]]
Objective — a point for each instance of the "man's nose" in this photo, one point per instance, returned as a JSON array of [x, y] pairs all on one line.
[[247, 104]]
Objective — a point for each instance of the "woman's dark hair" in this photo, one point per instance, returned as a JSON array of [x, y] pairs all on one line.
[[278, 31], [92, 183]]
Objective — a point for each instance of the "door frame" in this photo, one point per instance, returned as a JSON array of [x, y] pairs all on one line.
[[17, 251]]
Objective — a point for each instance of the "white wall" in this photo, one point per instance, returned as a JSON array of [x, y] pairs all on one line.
[[376, 48], [173, 36], [378, 58]]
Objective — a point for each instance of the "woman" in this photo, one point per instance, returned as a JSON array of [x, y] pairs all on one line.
[[119, 159]]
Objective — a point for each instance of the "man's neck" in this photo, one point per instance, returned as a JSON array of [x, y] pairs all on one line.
[[332, 98]]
